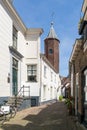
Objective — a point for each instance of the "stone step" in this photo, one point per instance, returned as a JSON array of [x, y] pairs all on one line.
[[13, 100]]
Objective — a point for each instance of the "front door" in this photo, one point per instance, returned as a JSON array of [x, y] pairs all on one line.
[[15, 77]]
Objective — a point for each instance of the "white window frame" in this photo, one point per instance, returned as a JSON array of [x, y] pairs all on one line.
[[45, 71], [32, 73]]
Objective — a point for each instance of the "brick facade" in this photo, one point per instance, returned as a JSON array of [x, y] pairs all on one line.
[[79, 61], [53, 57]]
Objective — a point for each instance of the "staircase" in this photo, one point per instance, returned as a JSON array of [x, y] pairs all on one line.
[[17, 100]]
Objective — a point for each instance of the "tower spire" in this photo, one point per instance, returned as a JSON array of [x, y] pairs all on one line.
[[52, 33], [52, 48]]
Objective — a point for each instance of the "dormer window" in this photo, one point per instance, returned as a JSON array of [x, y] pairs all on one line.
[[15, 37]]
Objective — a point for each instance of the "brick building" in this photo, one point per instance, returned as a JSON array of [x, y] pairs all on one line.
[[65, 89], [78, 69], [52, 48]]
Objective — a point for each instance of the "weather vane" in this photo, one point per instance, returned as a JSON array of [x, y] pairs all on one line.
[[52, 16]]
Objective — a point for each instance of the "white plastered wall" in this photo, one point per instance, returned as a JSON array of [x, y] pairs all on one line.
[[50, 84], [5, 41]]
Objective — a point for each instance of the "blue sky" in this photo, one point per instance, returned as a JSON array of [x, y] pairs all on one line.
[[38, 14]]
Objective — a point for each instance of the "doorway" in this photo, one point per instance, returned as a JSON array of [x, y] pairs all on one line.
[[14, 76], [84, 94]]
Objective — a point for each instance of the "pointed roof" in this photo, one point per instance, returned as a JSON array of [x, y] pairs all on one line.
[[52, 33]]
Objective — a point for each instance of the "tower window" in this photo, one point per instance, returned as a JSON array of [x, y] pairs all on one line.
[[50, 51]]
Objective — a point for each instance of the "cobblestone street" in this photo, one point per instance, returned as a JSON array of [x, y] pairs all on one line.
[[46, 117]]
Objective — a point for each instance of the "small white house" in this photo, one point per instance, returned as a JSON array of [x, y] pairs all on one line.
[[20, 59], [49, 80]]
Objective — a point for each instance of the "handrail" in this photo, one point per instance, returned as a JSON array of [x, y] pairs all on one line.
[[25, 92]]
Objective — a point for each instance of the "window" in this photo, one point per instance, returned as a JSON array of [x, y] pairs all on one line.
[[77, 78], [55, 78], [50, 51], [85, 33], [32, 73], [51, 76], [15, 32], [45, 71], [51, 92], [72, 78], [44, 92], [15, 63]]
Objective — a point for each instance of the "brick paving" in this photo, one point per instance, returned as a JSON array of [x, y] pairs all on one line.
[[52, 116]]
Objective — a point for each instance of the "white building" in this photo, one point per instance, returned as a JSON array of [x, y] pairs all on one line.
[[20, 59], [49, 80]]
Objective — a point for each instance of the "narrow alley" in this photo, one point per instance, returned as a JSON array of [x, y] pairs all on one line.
[[52, 116]]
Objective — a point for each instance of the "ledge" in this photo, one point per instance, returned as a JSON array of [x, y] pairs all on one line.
[[15, 52]]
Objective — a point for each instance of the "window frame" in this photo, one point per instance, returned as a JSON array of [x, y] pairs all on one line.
[[32, 73], [45, 71], [50, 51], [51, 76], [15, 38]]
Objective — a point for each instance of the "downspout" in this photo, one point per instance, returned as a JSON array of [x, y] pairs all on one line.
[[40, 80], [76, 89], [10, 74], [76, 100]]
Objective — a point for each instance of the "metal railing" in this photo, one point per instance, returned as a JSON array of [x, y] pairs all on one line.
[[23, 92]]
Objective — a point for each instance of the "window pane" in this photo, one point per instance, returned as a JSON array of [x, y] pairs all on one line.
[[29, 67], [50, 51], [45, 71], [14, 42], [31, 73], [15, 63], [32, 78], [15, 37], [34, 72], [34, 67]]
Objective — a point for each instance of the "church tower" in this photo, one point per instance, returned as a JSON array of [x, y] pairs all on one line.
[[52, 48]]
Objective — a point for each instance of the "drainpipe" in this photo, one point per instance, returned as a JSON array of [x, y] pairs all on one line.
[[10, 74], [40, 80], [76, 100], [76, 94]]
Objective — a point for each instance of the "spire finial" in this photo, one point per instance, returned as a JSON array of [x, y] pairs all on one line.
[[51, 24], [52, 15], [52, 19]]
